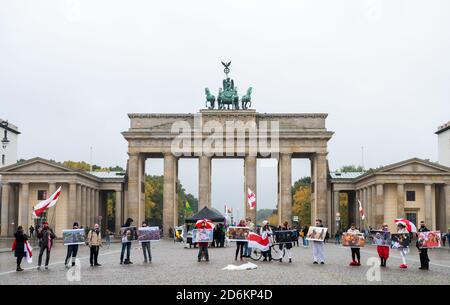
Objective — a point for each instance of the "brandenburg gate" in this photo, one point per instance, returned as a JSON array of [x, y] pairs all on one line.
[[227, 130]]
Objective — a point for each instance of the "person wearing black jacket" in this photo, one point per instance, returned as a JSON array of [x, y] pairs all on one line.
[[423, 252], [126, 245], [19, 251], [46, 237], [72, 250]]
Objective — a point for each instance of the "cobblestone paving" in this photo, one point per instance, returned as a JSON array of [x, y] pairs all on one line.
[[174, 264]]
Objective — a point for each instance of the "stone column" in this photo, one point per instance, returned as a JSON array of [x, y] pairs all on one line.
[[285, 189], [5, 204], [374, 205], [92, 217], [72, 205], [97, 206], [447, 204], [134, 188], [380, 204], [204, 183], [356, 208], [24, 199], [250, 164], [400, 200], [118, 211], [336, 209], [428, 206], [88, 207], [364, 204], [78, 205], [170, 198], [83, 219], [321, 186]]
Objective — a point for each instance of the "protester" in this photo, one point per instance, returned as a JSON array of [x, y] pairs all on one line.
[[443, 237], [46, 237], [94, 241], [401, 228], [203, 246], [221, 235], [337, 237], [423, 252], [72, 250], [287, 246], [251, 226], [318, 247], [304, 234], [296, 240], [146, 247], [383, 250], [31, 229], [356, 255], [126, 244], [19, 246], [240, 244], [266, 231]]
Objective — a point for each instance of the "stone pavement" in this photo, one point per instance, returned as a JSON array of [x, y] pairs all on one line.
[[174, 264]]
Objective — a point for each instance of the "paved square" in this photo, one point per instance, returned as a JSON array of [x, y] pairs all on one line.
[[173, 264]]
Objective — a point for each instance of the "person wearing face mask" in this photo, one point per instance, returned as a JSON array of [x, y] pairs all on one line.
[[318, 247], [72, 250], [423, 252], [126, 244], [94, 241], [356, 255], [266, 232], [383, 250], [46, 237], [146, 247]]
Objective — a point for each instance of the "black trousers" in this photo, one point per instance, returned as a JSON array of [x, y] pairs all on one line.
[[356, 253], [19, 259], [424, 260], [93, 258], [126, 246], [240, 247], [47, 255], [72, 251], [201, 250], [267, 254]]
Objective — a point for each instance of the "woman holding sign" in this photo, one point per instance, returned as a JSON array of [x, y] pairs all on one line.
[[240, 244], [146, 247], [356, 255], [72, 250]]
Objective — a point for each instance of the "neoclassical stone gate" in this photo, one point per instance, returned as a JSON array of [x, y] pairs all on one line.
[[210, 134]]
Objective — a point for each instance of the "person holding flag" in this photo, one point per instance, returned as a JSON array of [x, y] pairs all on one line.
[[20, 247], [46, 237]]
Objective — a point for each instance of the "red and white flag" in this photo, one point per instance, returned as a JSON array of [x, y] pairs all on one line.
[[256, 241], [40, 208], [251, 199], [28, 252], [361, 211]]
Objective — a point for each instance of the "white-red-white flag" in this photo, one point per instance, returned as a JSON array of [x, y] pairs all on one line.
[[251, 199], [29, 253], [257, 241], [40, 208], [361, 211]]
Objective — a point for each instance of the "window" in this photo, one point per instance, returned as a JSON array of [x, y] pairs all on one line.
[[412, 216], [42, 195], [410, 195]]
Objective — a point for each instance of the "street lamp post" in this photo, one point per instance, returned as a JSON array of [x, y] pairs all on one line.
[[5, 140]]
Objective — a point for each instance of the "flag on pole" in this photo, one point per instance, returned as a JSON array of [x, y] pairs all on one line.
[[361, 211], [40, 208], [251, 199]]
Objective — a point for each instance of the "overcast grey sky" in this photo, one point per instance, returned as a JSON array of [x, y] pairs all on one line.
[[70, 71]]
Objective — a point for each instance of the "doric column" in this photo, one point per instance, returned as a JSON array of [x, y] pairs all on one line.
[[72, 205], [250, 163], [78, 205], [92, 217], [356, 208], [380, 204], [5, 204], [83, 219], [170, 198], [204, 182], [447, 205], [88, 207], [428, 206], [374, 205], [336, 209], [118, 211], [97, 206], [134, 188], [321, 186], [285, 186], [400, 200], [24, 199]]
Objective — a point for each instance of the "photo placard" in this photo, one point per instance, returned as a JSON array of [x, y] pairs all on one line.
[[316, 233], [202, 235], [238, 233], [74, 237], [146, 234]]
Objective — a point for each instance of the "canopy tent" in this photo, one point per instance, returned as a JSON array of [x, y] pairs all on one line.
[[208, 213]]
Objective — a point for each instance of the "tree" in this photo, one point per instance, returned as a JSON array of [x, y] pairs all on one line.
[[352, 169], [302, 204]]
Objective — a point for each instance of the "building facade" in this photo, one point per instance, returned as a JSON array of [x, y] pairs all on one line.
[[415, 189], [83, 196], [443, 134], [8, 150]]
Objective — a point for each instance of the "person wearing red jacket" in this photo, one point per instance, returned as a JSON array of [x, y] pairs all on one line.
[[203, 246]]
